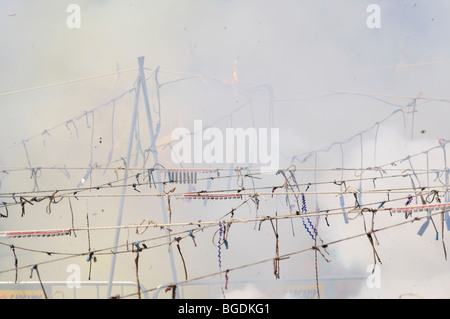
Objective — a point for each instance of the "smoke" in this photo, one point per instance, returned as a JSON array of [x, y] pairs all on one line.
[[249, 291], [408, 263], [312, 69]]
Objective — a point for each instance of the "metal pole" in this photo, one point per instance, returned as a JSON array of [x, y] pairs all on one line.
[[122, 200], [140, 82], [155, 158]]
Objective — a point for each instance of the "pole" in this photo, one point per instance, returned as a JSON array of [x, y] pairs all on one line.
[[122, 200], [155, 158], [140, 82]]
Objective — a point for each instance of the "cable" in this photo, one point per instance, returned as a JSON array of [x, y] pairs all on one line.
[[283, 256], [66, 82], [205, 224], [212, 224]]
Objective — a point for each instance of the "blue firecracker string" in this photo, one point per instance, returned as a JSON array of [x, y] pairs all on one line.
[[304, 211], [220, 244]]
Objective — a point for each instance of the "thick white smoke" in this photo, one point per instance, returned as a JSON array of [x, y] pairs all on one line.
[[312, 69]]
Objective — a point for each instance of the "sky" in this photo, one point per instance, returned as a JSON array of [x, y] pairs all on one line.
[[315, 70]]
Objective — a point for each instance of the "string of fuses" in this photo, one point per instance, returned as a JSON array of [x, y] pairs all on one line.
[[328, 212], [38, 168], [380, 169], [434, 192], [207, 195], [190, 232], [291, 215], [75, 191], [204, 194], [281, 257], [216, 195], [442, 144]]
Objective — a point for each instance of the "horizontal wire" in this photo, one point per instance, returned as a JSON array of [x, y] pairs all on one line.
[[200, 229], [289, 215], [96, 251], [107, 184], [379, 168], [162, 225], [4, 169], [68, 81], [283, 256], [240, 205], [203, 192], [197, 223], [221, 196]]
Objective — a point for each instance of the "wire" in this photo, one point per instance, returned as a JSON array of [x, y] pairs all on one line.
[[256, 191], [66, 82], [200, 229], [283, 256]]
